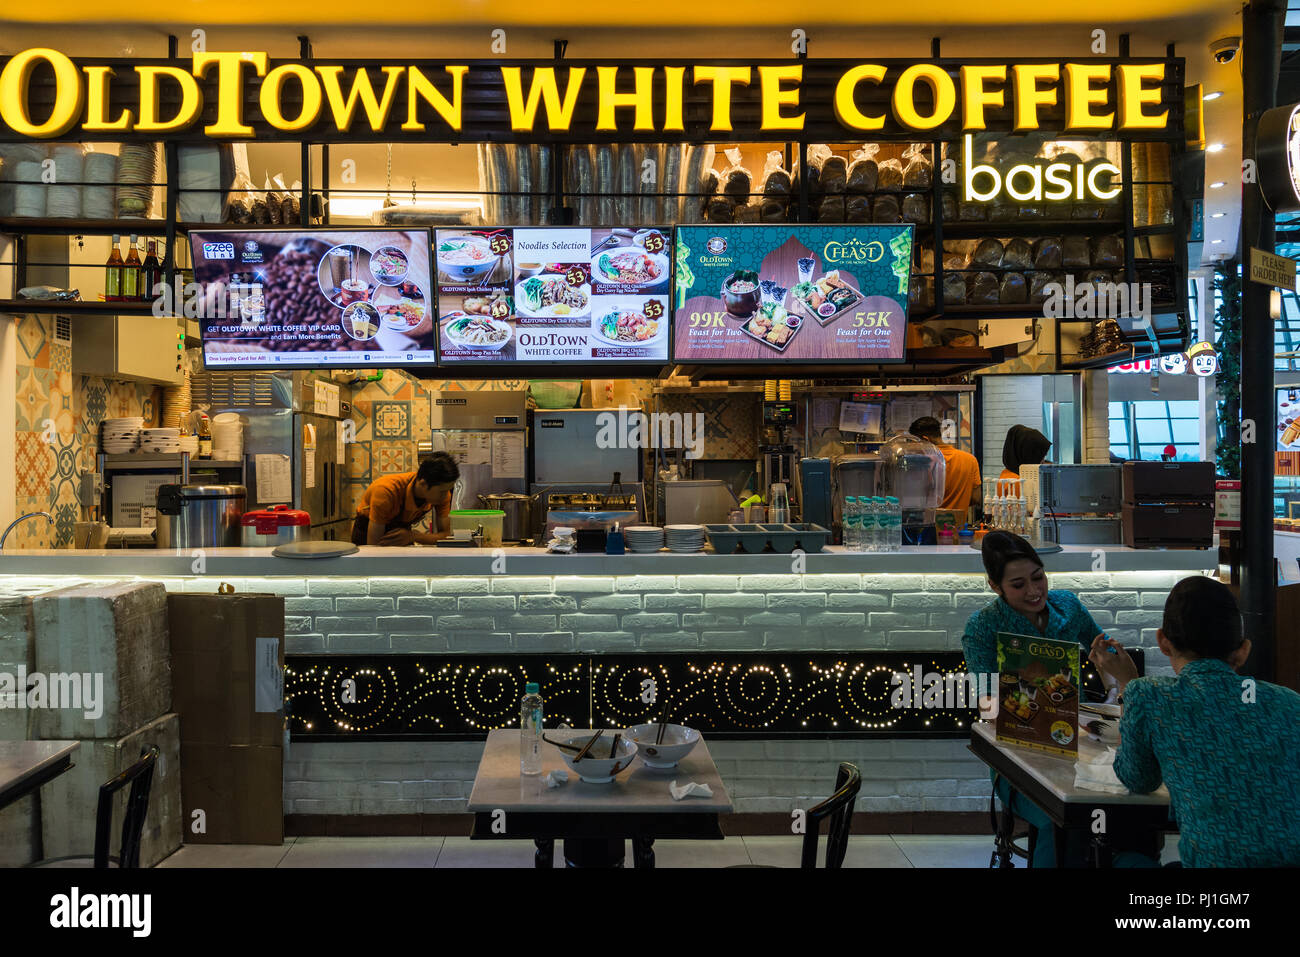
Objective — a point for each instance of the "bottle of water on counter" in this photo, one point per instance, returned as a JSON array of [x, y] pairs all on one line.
[[530, 730], [850, 523], [895, 510], [868, 535]]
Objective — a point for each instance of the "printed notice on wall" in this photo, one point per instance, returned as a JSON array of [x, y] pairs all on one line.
[[274, 478], [327, 398], [470, 448], [268, 679], [309, 468], [507, 455]]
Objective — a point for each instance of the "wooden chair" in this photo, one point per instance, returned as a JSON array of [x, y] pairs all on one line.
[[838, 809], [140, 777]]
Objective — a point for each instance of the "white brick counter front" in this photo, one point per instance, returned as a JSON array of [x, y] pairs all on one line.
[[405, 601]]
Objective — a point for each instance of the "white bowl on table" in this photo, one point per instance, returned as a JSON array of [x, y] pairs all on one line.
[[597, 770], [678, 742]]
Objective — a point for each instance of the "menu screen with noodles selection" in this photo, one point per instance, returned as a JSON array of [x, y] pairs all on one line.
[[553, 295], [271, 298]]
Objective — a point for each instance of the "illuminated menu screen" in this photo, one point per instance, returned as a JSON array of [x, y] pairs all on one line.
[[553, 295], [313, 298], [802, 294]]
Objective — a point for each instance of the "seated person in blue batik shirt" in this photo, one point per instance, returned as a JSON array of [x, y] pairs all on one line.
[[1227, 747], [1024, 606]]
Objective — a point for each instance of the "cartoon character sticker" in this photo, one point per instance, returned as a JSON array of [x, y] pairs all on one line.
[[1175, 364], [1204, 360]]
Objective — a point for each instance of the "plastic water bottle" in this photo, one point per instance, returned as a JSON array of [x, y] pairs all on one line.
[[850, 523], [530, 730], [880, 525], [895, 524], [866, 525]]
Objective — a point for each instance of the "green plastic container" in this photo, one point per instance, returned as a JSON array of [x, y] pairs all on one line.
[[492, 519]]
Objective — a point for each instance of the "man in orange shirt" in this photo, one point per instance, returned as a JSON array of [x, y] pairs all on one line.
[[961, 484], [392, 505]]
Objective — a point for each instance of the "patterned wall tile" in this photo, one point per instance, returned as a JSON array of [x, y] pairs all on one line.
[[33, 398], [60, 357], [391, 420], [63, 405], [34, 340], [92, 403], [359, 462], [390, 457], [34, 467]]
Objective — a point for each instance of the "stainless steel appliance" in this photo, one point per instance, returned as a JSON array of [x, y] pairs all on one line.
[[699, 502], [518, 523], [1168, 504], [1080, 489], [200, 516], [294, 444], [850, 475], [277, 525], [577, 446], [487, 434]]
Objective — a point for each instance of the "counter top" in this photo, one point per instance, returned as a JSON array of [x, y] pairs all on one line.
[[419, 561]]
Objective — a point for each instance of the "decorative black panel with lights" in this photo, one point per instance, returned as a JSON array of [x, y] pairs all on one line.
[[736, 694]]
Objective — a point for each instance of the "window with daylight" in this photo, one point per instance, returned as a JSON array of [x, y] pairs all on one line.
[[1144, 430]]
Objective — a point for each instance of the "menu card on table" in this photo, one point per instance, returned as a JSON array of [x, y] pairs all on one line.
[[1038, 693]]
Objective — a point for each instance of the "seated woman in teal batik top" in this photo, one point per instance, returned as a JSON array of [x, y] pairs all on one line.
[[1024, 606], [1227, 747]]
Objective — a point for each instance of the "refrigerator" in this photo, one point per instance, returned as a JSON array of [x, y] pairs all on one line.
[[487, 434]]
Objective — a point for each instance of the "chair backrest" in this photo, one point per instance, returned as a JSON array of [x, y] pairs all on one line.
[[838, 808], [140, 777]]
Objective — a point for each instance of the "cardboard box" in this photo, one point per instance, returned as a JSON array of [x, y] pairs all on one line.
[[240, 791], [228, 668], [115, 633], [69, 802]]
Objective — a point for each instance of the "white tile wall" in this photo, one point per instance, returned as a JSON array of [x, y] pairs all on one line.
[[836, 612], [1007, 400]]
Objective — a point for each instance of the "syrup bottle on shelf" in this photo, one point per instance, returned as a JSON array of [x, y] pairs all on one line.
[[131, 273], [113, 277]]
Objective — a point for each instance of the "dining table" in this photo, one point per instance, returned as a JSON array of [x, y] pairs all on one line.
[[593, 820], [26, 765], [1048, 781]]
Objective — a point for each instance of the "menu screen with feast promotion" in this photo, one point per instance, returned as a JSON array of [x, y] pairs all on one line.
[[803, 294], [553, 295], [314, 298]]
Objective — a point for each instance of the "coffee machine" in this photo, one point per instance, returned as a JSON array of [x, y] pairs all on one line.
[[776, 456]]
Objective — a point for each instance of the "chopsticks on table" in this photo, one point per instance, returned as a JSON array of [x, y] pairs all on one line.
[[587, 747], [663, 722], [566, 747], [613, 748]]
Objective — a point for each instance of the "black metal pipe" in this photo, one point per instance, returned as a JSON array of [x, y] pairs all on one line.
[[1262, 23]]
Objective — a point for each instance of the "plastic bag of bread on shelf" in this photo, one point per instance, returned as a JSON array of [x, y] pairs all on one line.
[[776, 179], [954, 281], [948, 204], [885, 209], [1106, 252], [918, 171], [982, 289], [239, 206], [1012, 289], [989, 252], [1075, 253], [922, 259], [1018, 254], [818, 153], [857, 209], [835, 175], [863, 169], [1047, 252], [772, 210], [1039, 281], [735, 181], [920, 293], [889, 175], [746, 213], [831, 210], [1099, 276], [916, 208]]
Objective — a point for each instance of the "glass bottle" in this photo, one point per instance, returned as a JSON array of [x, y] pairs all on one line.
[[113, 276], [131, 273], [151, 272], [530, 730]]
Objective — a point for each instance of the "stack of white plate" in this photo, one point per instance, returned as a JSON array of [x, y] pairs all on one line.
[[227, 437], [684, 538], [97, 201], [160, 441], [136, 165], [30, 193], [119, 436], [643, 538], [64, 201]]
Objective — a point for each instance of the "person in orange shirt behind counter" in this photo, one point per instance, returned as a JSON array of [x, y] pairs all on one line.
[[392, 505], [961, 482]]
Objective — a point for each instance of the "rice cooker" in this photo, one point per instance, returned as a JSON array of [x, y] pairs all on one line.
[[199, 516], [277, 525]]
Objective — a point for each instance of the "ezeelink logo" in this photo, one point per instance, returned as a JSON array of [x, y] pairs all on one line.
[[75, 910]]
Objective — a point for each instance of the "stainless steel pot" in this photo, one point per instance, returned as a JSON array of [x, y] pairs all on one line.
[[518, 522], [200, 516]]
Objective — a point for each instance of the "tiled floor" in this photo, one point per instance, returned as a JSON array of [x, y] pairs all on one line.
[[903, 850]]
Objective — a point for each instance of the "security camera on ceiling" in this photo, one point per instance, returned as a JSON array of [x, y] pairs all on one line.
[[1225, 50]]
